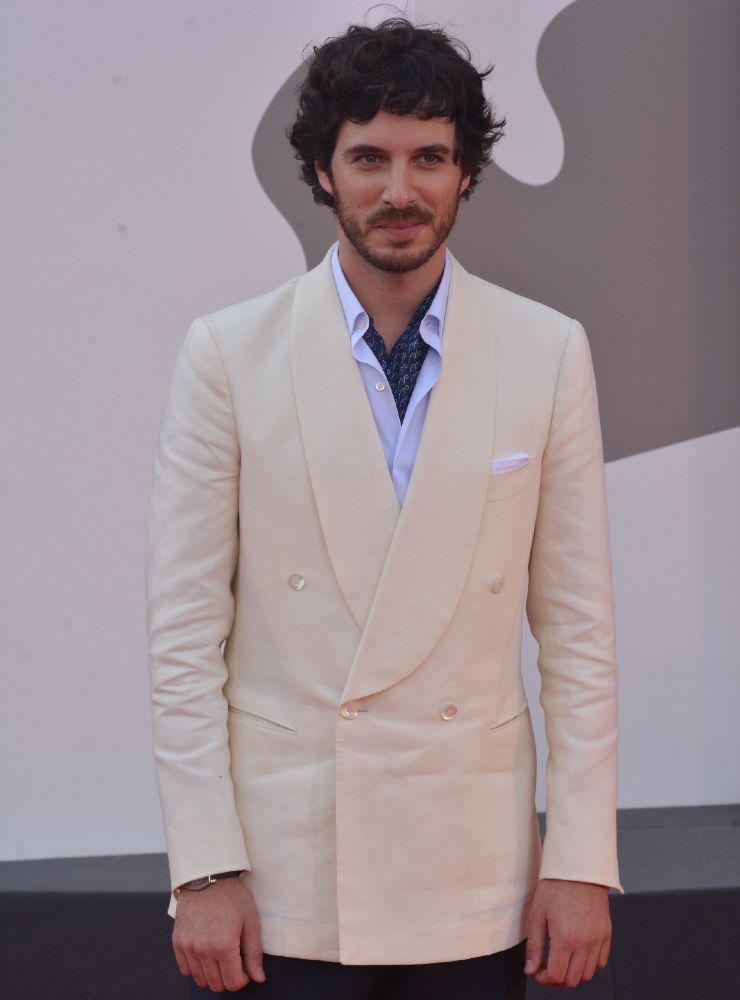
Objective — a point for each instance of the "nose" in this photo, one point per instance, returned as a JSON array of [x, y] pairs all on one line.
[[398, 189]]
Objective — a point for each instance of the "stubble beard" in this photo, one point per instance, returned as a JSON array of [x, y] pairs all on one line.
[[397, 260]]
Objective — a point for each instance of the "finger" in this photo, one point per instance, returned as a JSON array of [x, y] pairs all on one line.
[[557, 966], [574, 972], [232, 971], [536, 936], [604, 953], [589, 969], [182, 961], [212, 973], [251, 944], [196, 970]]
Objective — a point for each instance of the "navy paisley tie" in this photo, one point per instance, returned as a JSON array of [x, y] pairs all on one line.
[[404, 363]]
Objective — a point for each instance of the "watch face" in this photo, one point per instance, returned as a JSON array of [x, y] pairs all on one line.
[[199, 883]]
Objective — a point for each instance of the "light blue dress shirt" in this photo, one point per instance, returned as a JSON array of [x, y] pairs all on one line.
[[400, 441]]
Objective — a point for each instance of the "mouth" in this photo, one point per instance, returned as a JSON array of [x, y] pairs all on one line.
[[401, 230]]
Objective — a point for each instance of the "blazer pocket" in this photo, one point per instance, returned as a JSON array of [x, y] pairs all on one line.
[[509, 720], [509, 484], [259, 721]]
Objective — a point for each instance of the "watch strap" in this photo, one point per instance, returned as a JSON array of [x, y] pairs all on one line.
[[220, 875], [197, 884]]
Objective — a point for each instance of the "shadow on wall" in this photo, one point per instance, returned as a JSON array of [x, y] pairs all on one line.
[[637, 236]]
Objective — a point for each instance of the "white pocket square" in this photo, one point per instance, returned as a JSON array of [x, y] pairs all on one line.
[[499, 465]]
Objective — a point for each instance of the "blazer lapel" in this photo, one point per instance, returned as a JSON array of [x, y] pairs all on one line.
[[356, 501], [438, 527]]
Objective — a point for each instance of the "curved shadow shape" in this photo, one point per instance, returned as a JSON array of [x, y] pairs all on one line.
[[637, 235]]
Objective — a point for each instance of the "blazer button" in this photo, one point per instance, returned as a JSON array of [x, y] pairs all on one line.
[[497, 584], [349, 710], [449, 712], [296, 581]]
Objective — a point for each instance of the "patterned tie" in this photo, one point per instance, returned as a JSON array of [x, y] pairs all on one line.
[[403, 365]]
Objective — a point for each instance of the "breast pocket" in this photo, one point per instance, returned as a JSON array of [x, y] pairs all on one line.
[[513, 482]]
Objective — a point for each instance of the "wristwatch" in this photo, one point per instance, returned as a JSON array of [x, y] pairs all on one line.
[[205, 880]]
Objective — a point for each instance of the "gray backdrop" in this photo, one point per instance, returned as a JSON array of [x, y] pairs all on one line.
[[147, 180]]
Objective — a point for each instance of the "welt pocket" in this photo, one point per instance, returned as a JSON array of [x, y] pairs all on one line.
[[260, 721], [509, 720], [511, 483]]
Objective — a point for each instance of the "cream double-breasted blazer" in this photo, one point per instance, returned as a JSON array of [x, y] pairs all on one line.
[[337, 698]]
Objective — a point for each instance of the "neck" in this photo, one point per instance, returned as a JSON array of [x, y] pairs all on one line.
[[391, 298]]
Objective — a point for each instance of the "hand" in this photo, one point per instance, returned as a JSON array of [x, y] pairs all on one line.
[[214, 928], [575, 917]]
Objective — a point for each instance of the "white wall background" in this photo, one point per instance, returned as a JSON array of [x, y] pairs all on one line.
[[130, 206]]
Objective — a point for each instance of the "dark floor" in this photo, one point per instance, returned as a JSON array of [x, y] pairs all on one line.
[[676, 931]]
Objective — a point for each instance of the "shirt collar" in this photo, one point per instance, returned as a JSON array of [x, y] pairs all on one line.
[[357, 319]]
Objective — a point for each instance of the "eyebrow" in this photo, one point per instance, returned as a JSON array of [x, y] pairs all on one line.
[[362, 148]]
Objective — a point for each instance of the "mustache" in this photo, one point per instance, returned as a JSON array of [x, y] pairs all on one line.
[[388, 216]]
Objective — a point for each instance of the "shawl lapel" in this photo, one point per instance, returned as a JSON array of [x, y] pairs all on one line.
[[401, 571]]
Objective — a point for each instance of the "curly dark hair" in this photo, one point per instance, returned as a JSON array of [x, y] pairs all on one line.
[[396, 67]]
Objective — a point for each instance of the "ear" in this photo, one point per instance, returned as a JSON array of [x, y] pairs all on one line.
[[324, 178], [464, 183]]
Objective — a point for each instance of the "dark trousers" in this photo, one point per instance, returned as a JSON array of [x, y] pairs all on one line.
[[491, 977]]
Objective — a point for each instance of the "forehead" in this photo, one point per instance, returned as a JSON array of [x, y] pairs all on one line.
[[399, 131]]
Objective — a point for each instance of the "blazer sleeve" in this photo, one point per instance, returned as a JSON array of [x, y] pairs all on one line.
[[570, 610], [192, 549]]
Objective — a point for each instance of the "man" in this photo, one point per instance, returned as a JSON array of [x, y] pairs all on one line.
[[362, 477]]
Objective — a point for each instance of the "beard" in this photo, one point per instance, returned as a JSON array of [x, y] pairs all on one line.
[[395, 259]]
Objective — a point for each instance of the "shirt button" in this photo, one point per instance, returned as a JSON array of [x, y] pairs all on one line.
[[497, 584], [362, 324], [449, 712], [296, 581], [349, 710], [380, 386]]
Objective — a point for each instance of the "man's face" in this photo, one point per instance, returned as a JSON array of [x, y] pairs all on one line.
[[396, 188]]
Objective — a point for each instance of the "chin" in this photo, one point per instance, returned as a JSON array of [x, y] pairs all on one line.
[[399, 258]]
